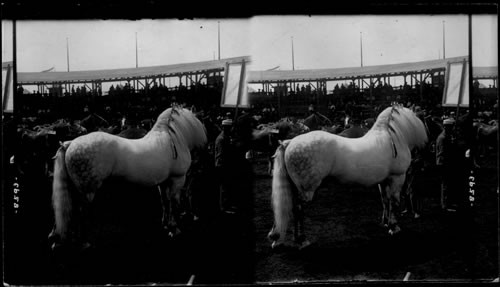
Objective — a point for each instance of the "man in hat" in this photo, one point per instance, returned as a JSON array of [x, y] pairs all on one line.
[[223, 163], [446, 160]]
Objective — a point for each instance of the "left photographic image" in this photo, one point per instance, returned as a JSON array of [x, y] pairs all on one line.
[[112, 157]]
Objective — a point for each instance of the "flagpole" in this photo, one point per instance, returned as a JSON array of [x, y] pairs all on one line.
[[218, 37], [444, 45], [136, 52], [9, 95], [471, 80], [293, 57], [67, 52], [361, 44]]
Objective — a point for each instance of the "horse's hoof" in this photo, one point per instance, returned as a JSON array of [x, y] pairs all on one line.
[[56, 246], [394, 231], [273, 236], [85, 246], [53, 237], [174, 233], [304, 244], [276, 246]]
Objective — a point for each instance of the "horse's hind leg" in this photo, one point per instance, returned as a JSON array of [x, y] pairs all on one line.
[[299, 232]]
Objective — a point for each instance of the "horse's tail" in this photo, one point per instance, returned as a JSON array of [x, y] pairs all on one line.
[[61, 199], [282, 199]]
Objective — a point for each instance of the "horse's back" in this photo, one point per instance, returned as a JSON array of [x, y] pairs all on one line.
[[364, 160]]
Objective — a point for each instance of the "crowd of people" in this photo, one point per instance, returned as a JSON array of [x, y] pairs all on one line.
[[227, 147]]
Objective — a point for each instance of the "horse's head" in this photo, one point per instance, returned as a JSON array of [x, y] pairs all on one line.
[[265, 139]]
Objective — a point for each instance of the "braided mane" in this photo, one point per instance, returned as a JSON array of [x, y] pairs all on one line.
[[404, 124], [180, 122]]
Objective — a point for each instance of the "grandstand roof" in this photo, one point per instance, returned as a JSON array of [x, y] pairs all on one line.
[[27, 78], [6, 64], [365, 72], [485, 72]]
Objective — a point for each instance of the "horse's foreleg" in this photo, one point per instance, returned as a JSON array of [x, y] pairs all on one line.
[[394, 190], [163, 190], [385, 203], [174, 195]]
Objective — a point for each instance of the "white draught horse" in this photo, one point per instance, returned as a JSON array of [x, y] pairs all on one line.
[[381, 156], [162, 156]]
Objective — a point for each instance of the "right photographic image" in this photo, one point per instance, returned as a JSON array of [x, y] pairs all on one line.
[[387, 163]]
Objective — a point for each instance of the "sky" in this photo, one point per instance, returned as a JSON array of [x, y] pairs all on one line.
[[318, 41]]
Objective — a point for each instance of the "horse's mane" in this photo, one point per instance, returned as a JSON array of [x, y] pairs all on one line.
[[403, 123], [182, 122]]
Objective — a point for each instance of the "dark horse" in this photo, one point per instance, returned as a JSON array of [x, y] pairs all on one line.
[[133, 133], [486, 136], [267, 138], [355, 131], [316, 120]]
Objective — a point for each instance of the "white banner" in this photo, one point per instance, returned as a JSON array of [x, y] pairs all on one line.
[[7, 88], [456, 90], [235, 91]]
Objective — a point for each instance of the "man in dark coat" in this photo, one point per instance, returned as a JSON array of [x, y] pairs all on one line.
[[450, 159], [224, 165]]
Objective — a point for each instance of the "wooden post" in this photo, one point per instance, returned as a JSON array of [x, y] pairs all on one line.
[[371, 88], [421, 88], [404, 85], [279, 103]]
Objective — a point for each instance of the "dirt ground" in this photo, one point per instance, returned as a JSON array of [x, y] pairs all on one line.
[[350, 244], [129, 246]]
